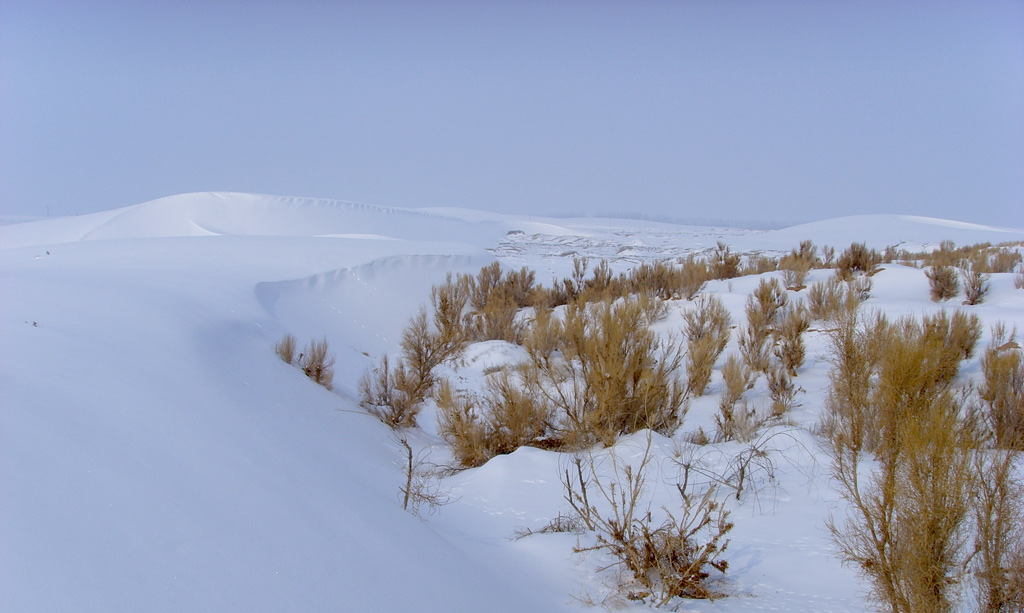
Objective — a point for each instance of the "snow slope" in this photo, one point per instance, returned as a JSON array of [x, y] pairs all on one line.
[[155, 454]]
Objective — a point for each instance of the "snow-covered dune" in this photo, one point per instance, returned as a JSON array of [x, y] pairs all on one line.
[[155, 453], [234, 214], [905, 231]]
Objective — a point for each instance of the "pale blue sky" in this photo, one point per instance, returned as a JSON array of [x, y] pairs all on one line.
[[784, 111]]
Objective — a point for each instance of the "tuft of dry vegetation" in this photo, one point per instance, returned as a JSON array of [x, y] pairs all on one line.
[[707, 332], [667, 560], [318, 363], [857, 259], [723, 263], [943, 282], [762, 308], [788, 335], [1002, 390], [975, 284], [797, 264], [285, 348]]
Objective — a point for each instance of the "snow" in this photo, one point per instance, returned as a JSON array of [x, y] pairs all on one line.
[[155, 454]]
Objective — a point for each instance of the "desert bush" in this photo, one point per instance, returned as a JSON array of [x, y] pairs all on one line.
[[515, 414], [318, 363], [789, 338], [854, 347], [723, 263], [391, 393], [762, 309], [954, 336], [601, 285], [459, 425], [828, 256], [481, 286], [707, 332], [999, 537], [666, 560], [1002, 390], [975, 284], [693, 275], [797, 264], [943, 282], [423, 349], [758, 264], [498, 319], [285, 348], [857, 259], [510, 415], [906, 524], [522, 285], [613, 375], [421, 488], [1002, 259], [542, 335], [831, 299], [668, 281], [734, 420], [781, 391], [890, 394]]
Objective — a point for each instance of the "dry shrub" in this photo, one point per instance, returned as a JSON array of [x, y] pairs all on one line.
[[797, 264], [509, 416], [610, 374], [480, 287], [693, 275], [762, 309], [522, 284], [1002, 390], [318, 363], [666, 560], [723, 263], [1018, 278], [828, 256], [975, 284], [286, 347], [542, 337], [735, 420], [831, 299], [906, 524], [498, 320], [594, 373], [758, 264], [707, 333], [667, 281], [789, 338], [601, 285], [781, 391], [890, 393], [1003, 259], [943, 282], [391, 394], [999, 540], [459, 425], [857, 259], [421, 488], [396, 393], [515, 414]]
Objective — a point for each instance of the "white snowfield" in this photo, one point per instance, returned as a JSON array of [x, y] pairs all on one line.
[[157, 455]]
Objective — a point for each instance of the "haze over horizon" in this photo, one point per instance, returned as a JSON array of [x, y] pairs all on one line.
[[782, 112]]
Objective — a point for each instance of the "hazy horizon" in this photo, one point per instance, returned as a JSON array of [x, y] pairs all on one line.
[[760, 113]]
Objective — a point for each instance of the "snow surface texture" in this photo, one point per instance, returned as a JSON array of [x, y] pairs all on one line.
[[155, 454]]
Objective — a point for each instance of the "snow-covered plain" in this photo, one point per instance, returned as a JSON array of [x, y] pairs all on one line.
[[156, 454]]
